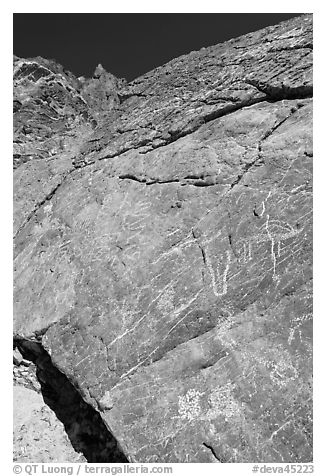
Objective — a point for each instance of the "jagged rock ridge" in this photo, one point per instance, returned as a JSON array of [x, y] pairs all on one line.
[[164, 261], [53, 110]]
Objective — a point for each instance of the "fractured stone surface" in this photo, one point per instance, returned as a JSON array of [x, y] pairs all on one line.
[[38, 435], [165, 260]]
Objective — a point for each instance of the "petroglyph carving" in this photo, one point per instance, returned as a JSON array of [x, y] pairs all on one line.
[[245, 254], [282, 372], [272, 239], [223, 335], [276, 230], [189, 405], [263, 204], [165, 302], [273, 231], [151, 276], [219, 276], [298, 321], [222, 402]]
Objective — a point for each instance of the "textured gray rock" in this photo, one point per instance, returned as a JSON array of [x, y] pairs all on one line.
[[53, 110], [165, 262], [72, 430], [38, 434]]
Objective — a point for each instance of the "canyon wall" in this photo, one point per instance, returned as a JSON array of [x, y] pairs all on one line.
[[163, 245]]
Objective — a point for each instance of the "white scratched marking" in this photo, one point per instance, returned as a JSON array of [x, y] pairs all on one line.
[[263, 203], [176, 312], [272, 245], [219, 282], [175, 250]]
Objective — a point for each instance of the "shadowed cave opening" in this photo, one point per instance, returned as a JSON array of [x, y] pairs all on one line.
[[83, 424]]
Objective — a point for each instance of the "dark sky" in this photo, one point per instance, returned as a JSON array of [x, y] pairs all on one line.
[[127, 44]]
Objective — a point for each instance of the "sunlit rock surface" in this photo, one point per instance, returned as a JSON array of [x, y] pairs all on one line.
[[163, 257], [38, 434]]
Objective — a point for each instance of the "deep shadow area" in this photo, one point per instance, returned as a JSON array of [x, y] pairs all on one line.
[[83, 424]]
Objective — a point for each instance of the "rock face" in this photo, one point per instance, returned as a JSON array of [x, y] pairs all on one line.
[[38, 435], [47, 404], [53, 110], [164, 261]]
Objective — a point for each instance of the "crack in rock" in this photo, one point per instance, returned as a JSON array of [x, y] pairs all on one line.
[[278, 92], [83, 424], [210, 447], [267, 134]]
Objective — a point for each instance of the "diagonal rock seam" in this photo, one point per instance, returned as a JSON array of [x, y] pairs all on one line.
[[270, 98], [84, 426], [260, 143], [208, 180], [39, 205], [212, 450], [273, 94], [212, 325], [282, 91]]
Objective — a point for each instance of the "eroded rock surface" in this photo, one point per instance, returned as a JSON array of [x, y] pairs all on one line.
[[53, 110], [38, 435], [51, 420], [165, 262]]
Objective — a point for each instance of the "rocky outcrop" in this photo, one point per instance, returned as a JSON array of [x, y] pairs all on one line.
[[47, 404], [164, 262], [53, 110], [101, 92], [38, 434]]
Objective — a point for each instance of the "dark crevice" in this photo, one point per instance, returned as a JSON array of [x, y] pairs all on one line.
[[273, 94], [230, 236], [200, 247], [281, 91], [212, 101], [124, 96], [83, 424], [106, 348], [203, 254], [132, 177], [189, 180], [210, 447], [308, 46]]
